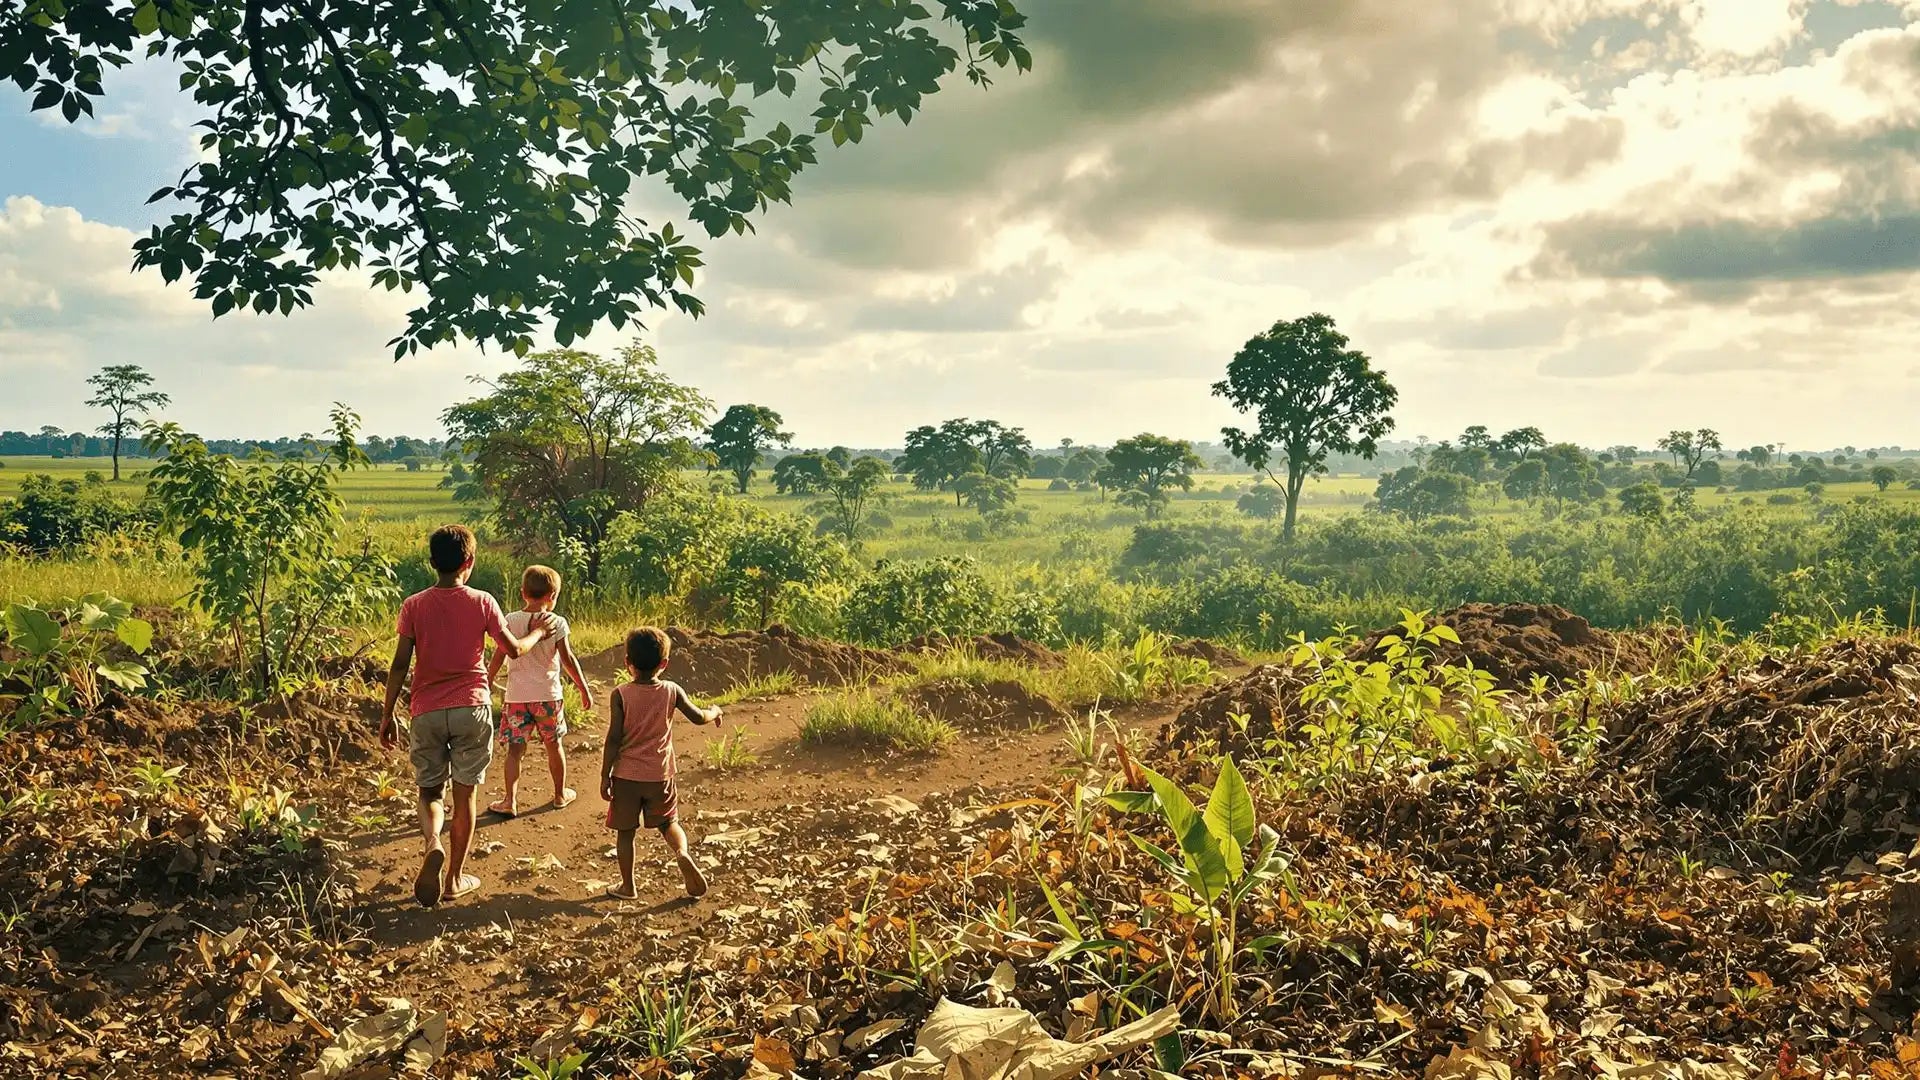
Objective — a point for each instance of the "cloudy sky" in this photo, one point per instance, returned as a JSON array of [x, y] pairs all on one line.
[[1605, 217]]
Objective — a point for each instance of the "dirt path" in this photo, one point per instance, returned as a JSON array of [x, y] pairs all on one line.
[[540, 910]]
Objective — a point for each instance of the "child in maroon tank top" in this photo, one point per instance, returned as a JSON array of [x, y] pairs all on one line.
[[637, 768]]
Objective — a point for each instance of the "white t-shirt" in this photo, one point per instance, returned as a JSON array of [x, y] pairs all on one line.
[[536, 675]]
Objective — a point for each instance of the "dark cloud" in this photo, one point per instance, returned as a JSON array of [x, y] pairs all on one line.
[[1722, 259]]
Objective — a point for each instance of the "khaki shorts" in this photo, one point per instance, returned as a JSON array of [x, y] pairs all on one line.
[[635, 801], [456, 743]]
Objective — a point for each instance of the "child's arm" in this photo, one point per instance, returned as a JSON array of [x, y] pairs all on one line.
[[571, 665], [616, 734], [493, 667], [694, 712], [396, 681]]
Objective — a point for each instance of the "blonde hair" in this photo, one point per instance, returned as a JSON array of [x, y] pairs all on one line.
[[539, 582]]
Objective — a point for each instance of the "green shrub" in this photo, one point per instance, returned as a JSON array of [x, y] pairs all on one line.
[[903, 600]]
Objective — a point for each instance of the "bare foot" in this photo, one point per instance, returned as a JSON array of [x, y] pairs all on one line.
[[426, 886], [456, 889], [690, 873], [565, 799], [504, 808], [623, 892]]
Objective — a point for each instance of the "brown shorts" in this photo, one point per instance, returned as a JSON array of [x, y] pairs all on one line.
[[635, 802]]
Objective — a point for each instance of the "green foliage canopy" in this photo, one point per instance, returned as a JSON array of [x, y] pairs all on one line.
[[570, 440], [485, 152], [1310, 396]]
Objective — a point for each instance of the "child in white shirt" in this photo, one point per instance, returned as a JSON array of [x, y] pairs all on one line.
[[534, 690]]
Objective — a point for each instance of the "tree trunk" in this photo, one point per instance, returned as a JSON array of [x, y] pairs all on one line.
[[116, 453]]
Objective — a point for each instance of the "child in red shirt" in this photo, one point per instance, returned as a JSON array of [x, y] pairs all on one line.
[[637, 769], [442, 636]]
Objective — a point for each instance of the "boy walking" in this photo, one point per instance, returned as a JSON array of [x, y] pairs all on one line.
[[637, 770], [442, 636], [534, 690]]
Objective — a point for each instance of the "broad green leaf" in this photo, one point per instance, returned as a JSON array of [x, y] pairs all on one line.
[[93, 617], [1444, 633], [1230, 807], [1132, 802], [1169, 1053], [1202, 853], [136, 633], [125, 674], [31, 629]]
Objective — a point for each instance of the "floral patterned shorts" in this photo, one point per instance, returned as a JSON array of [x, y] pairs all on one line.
[[521, 719]]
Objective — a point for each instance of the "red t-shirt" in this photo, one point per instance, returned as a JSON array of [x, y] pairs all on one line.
[[449, 628]]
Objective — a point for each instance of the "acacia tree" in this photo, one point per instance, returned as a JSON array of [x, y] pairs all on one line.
[[1145, 466], [1882, 476], [565, 444], [851, 494], [1518, 445], [120, 389], [1690, 448], [484, 151], [937, 457], [799, 474], [1311, 395], [741, 436]]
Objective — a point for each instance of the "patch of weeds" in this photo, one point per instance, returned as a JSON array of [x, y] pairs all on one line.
[[757, 688], [863, 720], [656, 1024], [731, 752]]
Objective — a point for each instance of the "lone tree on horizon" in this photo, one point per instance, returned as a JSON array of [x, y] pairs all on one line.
[[481, 155], [120, 389], [741, 436], [1690, 448], [1311, 396]]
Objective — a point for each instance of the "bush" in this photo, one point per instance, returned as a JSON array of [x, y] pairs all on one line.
[[1058, 484], [903, 600], [50, 516], [1239, 603]]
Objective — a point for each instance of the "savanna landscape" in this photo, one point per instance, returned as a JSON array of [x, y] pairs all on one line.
[[1562, 741]]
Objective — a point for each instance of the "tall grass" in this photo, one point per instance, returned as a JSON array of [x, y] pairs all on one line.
[[864, 720], [757, 688]]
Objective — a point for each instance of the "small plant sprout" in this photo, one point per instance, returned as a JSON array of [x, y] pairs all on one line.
[[1083, 735], [151, 778], [1223, 857], [731, 752], [552, 1069]]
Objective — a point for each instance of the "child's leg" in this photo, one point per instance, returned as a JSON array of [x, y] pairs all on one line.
[[461, 832], [516, 743], [690, 875], [553, 733], [627, 891], [557, 765]]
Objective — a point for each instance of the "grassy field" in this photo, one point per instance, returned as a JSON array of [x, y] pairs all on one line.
[[396, 508]]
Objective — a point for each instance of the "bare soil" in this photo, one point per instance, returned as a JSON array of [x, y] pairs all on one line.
[[710, 663]]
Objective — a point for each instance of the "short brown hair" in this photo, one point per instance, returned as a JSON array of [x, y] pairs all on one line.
[[648, 649], [539, 582], [450, 548]]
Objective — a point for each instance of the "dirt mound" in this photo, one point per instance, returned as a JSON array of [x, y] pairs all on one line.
[[1265, 696], [999, 703], [1818, 756], [1515, 642], [1212, 652], [989, 647], [709, 663]]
